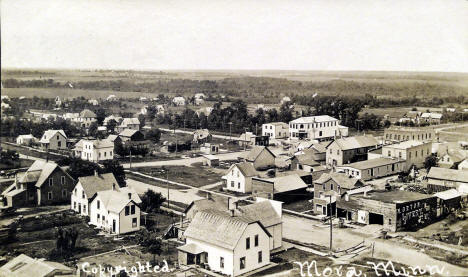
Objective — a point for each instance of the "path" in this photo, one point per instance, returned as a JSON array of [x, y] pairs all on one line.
[[22, 156], [191, 132], [184, 162], [308, 231]]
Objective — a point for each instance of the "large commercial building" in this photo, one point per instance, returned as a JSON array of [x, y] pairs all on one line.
[[413, 152], [399, 134], [322, 127]]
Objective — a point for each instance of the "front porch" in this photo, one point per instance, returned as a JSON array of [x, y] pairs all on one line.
[[192, 254]]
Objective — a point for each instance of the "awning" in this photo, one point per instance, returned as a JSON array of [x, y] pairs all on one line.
[[191, 248]]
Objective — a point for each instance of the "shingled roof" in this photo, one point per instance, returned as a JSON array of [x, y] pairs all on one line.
[[115, 201], [448, 174], [39, 171], [86, 113], [256, 151], [356, 142], [342, 179], [219, 228], [95, 183], [261, 211], [247, 169]]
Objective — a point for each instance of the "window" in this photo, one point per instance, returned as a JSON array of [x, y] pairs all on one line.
[[242, 263], [64, 193], [59, 144], [256, 240], [98, 204], [238, 185], [84, 208], [132, 209], [83, 196], [221, 262], [247, 243], [134, 222], [127, 210], [259, 257], [62, 180], [232, 183], [98, 217], [74, 205], [337, 152], [51, 181], [389, 153], [389, 221], [74, 191], [49, 195]]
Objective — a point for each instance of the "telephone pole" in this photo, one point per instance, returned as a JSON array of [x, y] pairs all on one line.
[[331, 224], [230, 131]]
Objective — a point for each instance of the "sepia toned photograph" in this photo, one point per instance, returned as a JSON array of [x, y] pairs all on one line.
[[220, 138]]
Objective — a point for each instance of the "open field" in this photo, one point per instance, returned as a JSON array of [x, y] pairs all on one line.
[[70, 93]]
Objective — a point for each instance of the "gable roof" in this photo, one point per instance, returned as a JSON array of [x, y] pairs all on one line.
[[256, 151], [130, 121], [25, 266], [285, 183], [306, 159], [456, 155], [102, 143], [128, 132], [87, 113], [219, 228], [79, 145], [247, 169], [115, 201], [49, 134], [356, 142], [39, 171], [448, 194], [366, 164], [343, 180], [93, 184], [215, 202], [448, 174], [262, 211]]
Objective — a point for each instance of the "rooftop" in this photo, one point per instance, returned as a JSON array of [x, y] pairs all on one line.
[[95, 183], [342, 179], [372, 163], [356, 142], [448, 174], [313, 119], [256, 151], [115, 201], [405, 144], [395, 196]]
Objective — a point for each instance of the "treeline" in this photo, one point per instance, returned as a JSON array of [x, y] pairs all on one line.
[[13, 127], [272, 89]]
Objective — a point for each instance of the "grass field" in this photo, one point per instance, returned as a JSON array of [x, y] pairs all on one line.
[[70, 93]]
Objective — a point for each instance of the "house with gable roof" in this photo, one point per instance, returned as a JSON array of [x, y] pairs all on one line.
[[86, 118], [24, 265], [53, 140], [87, 188], [96, 150], [239, 177], [229, 243], [116, 211], [261, 157], [44, 183], [129, 123], [350, 149]]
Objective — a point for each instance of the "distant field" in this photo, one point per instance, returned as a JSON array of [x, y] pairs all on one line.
[[70, 93], [397, 111]]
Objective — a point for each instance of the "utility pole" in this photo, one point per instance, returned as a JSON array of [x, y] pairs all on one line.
[[130, 157], [167, 182], [230, 131], [331, 225]]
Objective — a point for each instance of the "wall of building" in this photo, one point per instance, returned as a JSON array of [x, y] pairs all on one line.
[[125, 221], [241, 183], [214, 255], [60, 192], [251, 255], [77, 199], [262, 188], [264, 160]]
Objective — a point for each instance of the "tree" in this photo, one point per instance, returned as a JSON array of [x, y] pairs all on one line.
[[100, 116], [430, 161], [151, 201], [93, 129], [154, 135], [150, 242], [79, 168], [113, 166], [111, 124]]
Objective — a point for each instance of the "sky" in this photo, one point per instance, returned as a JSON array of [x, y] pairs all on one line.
[[207, 34]]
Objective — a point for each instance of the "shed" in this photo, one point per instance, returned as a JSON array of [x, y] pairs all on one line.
[[210, 160]]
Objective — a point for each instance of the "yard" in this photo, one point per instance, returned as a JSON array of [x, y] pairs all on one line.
[[16, 164], [31, 153], [36, 237], [196, 176]]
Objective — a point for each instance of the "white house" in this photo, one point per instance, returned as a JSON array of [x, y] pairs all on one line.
[[97, 150], [25, 139], [178, 101], [87, 188], [129, 123], [285, 99], [239, 177], [117, 119], [86, 118], [111, 97], [431, 118], [321, 127], [275, 130], [54, 140], [463, 165], [116, 212], [230, 244], [413, 152], [58, 102], [93, 102]]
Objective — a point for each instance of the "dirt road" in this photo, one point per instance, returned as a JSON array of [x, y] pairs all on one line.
[[308, 231]]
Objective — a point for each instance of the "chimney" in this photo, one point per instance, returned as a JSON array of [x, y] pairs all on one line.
[[129, 195]]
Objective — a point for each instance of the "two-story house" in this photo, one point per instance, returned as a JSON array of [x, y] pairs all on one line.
[[86, 118], [88, 187], [116, 211], [239, 177], [321, 127], [329, 187], [129, 123], [413, 152], [350, 149], [230, 244], [97, 150], [44, 183], [54, 140], [275, 130]]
